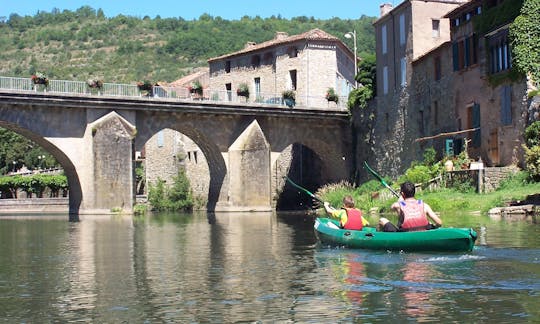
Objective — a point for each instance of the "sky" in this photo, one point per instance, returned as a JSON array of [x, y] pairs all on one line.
[[226, 9]]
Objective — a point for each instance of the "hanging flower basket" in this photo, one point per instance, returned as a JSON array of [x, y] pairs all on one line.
[[40, 78], [331, 95], [289, 97], [196, 88], [144, 85], [243, 90], [95, 84]]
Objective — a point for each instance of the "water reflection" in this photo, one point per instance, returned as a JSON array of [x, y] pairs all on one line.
[[253, 267]]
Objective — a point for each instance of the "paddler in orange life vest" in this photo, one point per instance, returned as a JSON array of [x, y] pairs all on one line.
[[413, 214], [349, 217]]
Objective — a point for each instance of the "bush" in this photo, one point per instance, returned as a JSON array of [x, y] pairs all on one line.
[[532, 134], [177, 197], [532, 161]]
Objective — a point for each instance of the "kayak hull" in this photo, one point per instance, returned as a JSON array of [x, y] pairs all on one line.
[[441, 239]]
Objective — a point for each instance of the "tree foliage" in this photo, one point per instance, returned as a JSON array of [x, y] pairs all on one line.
[[366, 78], [525, 39], [176, 197], [16, 151], [80, 44]]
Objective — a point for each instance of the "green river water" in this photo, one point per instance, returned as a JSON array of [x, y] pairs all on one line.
[[256, 267]]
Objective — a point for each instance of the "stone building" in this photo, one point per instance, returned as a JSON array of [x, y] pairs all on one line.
[[485, 99], [307, 64], [405, 35], [434, 88]]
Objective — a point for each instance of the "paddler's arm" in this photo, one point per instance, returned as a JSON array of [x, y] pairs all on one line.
[[431, 214]]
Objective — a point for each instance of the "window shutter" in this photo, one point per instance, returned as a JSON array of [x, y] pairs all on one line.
[[476, 138], [455, 56], [506, 105]]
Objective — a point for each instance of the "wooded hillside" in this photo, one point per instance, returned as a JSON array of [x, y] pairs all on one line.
[[83, 44]]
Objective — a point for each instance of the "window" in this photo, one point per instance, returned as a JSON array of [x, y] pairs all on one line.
[[257, 87], [403, 65], [506, 105], [385, 80], [384, 39], [228, 88], [402, 29], [435, 27], [228, 66], [500, 56], [292, 79], [437, 68], [465, 52], [160, 139]]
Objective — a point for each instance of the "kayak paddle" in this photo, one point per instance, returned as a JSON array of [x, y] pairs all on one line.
[[376, 175], [304, 190]]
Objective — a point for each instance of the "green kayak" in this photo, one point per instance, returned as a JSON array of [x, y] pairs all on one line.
[[441, 239]]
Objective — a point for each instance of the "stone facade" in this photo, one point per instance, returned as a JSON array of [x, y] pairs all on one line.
[[308, 64], [433, 89]]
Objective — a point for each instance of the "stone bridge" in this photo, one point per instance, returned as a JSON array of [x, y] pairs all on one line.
[[95, 140]]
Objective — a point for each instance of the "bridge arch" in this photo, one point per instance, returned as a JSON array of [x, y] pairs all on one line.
[[75, 190], [212, 156]]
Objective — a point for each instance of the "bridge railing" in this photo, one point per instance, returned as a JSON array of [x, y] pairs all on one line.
[[172, 93]]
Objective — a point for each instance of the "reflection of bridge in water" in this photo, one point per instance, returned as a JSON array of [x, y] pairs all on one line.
[[94, 138]]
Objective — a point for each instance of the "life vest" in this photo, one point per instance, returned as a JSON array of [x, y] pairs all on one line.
[[354, 219], [414, 216]]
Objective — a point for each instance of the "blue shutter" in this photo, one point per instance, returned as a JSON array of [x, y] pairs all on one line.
[[455, 56], [506, 105], [467, 51], [476, 138]]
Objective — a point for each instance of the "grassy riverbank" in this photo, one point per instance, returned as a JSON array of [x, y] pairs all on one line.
[[443, 200]]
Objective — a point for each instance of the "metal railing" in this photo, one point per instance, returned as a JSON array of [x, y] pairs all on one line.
[[169, 93]]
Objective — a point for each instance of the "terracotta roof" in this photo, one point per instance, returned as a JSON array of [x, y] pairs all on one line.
[[189, 78], [283, 38]]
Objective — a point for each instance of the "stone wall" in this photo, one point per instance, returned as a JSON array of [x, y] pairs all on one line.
[[34, 205], [493, 176]]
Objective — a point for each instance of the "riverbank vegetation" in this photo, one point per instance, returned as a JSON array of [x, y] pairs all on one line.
[[177, 197], [434, 185], [34, 185]]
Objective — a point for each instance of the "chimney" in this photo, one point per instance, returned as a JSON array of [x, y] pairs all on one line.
[[250, 44], [386, 8], [281, 35]]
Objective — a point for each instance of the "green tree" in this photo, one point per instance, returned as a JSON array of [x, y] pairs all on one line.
[[525, 40]]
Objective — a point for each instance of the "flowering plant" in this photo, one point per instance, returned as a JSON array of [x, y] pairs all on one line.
[[144, 85], [94, 83], [289, 94], [331, 95], [196, 87], [40, 78], [243, 90]]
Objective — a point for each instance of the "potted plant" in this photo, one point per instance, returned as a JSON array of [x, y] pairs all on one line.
[[243, 91], [40, 79], [289, 96], [145, 87], [331, 95], [95, 84], [196, 87]]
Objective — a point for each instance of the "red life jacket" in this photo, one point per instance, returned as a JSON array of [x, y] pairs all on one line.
[[414, 216], [354, 219]]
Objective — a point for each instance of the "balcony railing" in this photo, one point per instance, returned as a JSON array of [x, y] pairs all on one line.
[[169, 93]]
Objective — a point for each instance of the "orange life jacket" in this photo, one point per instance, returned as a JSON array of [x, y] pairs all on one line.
[[414, 216]]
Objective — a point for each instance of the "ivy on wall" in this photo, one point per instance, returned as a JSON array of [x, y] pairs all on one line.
[[525, 40]]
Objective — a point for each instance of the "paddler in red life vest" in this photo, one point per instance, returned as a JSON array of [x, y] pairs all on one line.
[[349, 217], [413, 214]]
